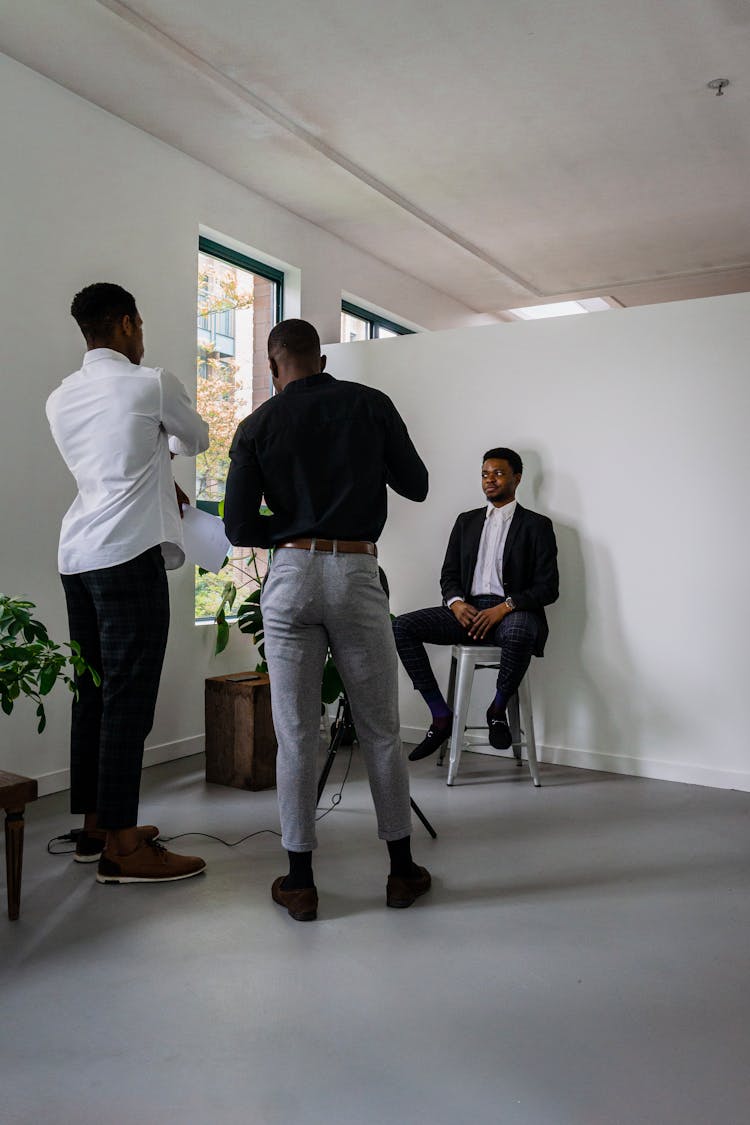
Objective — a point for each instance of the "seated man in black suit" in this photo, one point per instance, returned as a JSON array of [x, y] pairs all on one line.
[[500, 571]]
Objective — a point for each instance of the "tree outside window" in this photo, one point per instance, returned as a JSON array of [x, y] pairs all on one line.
[[236, 309]]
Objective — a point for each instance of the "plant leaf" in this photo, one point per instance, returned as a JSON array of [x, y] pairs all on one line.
[[331, 687], [47, 679], [228, 594], [222, 637], [251, 622]]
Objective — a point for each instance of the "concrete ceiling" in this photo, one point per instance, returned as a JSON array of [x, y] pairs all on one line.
[[508, 152]]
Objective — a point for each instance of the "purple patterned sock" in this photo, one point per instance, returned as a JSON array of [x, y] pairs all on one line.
[[439, 709]]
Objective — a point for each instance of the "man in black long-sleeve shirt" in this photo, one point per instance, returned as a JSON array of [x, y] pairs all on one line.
[[321, 453]]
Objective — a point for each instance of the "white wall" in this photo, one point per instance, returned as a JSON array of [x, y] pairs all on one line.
[[631, 424], [85, 197], [633, 429]]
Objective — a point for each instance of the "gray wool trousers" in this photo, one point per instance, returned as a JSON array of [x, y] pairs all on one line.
[[312, 600]]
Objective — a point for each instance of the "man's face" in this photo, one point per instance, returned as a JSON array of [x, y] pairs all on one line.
[[499, 482]]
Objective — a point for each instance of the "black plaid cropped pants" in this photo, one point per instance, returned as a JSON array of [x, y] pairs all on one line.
[[120, 618], [516, 635]]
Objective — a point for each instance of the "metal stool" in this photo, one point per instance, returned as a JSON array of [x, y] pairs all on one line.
[[464, 660]]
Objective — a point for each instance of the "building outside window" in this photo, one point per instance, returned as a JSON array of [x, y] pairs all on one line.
[[360, 324], [239, 301]]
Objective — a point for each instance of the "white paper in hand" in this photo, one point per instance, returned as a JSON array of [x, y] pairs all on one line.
[[206, 544]]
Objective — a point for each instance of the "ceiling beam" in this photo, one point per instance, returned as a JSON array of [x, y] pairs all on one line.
[[269, 111]]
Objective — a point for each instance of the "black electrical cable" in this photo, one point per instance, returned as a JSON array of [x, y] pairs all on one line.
[[71, 837]]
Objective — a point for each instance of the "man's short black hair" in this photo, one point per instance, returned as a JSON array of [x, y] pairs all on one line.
[[98, 308], [503, 454], [295, 337]]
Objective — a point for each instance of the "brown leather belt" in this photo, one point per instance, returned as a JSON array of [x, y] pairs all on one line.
[[333, 546]]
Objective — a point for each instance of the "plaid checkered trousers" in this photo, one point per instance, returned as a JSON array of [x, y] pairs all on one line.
[[120, 618], [516, 634]]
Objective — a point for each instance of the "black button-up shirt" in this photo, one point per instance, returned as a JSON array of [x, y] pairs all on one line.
[[321, 453]]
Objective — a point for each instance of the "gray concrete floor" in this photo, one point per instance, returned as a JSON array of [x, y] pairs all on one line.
[[582, 960]]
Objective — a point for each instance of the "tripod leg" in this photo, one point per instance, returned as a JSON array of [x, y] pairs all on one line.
[[325, 772], [339, 725], [423, 818], [329, 761], [341, 722]]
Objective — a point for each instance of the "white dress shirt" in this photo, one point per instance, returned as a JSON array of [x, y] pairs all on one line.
[[488, 571], [115, 424]]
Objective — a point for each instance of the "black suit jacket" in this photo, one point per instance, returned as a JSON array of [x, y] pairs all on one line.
[[530, 573]]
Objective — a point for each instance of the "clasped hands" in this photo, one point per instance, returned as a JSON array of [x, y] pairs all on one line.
[[478, 622]]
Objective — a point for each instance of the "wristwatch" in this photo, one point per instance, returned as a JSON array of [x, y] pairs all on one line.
[[510, 603]]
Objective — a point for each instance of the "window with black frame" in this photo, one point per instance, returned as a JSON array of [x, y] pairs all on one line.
[[360, 324], [239, 301]]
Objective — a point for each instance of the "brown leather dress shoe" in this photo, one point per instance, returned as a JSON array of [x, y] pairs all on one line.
[[402, 892], [149, 863], [90, 845], [302, 904]]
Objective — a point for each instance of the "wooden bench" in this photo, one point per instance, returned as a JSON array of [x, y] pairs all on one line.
[[15, 794]]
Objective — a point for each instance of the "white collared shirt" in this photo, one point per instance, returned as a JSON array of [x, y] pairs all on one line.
[[488, 571], [115, 424]]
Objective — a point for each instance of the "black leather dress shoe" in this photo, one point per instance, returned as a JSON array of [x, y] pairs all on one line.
[[500, 736], [431, 742], [302, 904]]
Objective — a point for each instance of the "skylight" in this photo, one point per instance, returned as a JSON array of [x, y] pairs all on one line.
[[561, 308]]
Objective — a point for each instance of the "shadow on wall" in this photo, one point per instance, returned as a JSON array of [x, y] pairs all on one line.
[[594, 697]]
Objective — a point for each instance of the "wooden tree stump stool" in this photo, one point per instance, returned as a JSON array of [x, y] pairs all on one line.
[[240, 739], [15, 793]]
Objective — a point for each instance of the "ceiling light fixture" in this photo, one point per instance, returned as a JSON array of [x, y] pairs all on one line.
[[718, 85]]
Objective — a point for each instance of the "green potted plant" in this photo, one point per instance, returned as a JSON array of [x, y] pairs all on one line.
[[30, 662]]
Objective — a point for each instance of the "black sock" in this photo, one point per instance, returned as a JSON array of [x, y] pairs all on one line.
[[300, 872], [402, 865]]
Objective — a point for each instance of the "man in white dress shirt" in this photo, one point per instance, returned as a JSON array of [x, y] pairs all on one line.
[[116, 423], [500, 570]]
